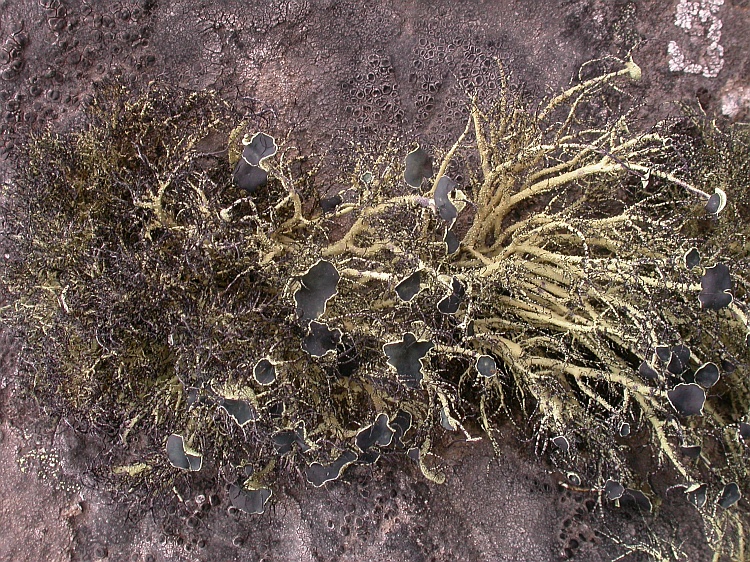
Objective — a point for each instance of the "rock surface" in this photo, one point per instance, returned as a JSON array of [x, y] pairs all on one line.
[[340, 74]]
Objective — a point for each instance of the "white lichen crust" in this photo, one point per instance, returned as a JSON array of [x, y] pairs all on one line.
[[703, 55]]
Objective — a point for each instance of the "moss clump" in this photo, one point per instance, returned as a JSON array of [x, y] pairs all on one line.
[[148, 286]]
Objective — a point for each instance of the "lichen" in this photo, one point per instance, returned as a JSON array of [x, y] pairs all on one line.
[[148, 288]]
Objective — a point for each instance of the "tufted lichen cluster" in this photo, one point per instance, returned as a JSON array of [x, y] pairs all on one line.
[[219, 310]]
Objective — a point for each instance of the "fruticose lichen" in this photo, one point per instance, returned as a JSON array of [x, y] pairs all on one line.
[[157, 292]]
